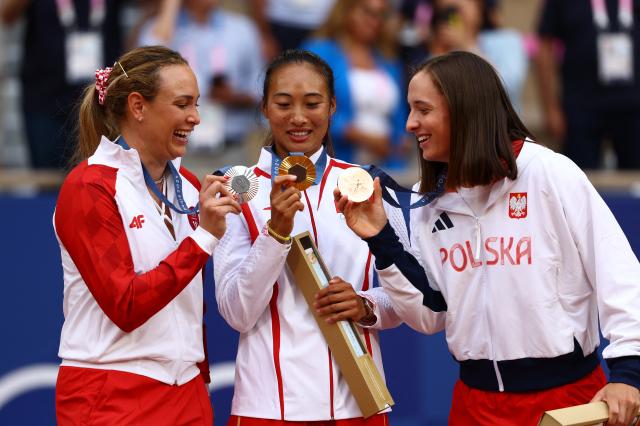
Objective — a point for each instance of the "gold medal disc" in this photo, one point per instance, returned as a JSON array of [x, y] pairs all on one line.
[[301, 167]]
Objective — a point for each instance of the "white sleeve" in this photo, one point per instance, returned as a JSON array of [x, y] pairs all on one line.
[[386, 317], [245, 273], [407, 302], [405, 280], [607, 258]]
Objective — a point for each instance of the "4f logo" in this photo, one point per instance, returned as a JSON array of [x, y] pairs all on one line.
[[137, 222], [518, 205]]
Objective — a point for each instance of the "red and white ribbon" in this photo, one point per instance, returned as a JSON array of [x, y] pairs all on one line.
[[101, 83]]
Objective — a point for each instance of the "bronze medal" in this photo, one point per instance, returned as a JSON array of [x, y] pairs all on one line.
[[356, 184]]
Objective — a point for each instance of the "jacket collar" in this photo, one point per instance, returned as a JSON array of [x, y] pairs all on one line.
[[451, 201], [128, 161]]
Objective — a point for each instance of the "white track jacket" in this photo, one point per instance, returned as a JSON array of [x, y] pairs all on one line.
[[132, 294], [284, 369], [520, 284]]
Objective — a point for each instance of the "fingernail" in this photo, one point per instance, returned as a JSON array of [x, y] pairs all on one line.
[[227, 177]]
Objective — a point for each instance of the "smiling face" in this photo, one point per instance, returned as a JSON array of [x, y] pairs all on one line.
[[172, 115], [429, 118], [298, 107]]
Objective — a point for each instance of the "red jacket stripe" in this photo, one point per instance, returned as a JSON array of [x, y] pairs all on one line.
[[273, 308]]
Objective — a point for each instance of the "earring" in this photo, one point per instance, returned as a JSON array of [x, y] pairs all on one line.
[[140, 119]]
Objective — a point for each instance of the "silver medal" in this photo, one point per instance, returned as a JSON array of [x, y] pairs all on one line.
[[242, 182]]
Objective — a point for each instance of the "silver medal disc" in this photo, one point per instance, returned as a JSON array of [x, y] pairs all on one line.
[[242, 182]]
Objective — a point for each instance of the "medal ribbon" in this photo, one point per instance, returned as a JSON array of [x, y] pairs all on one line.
[[177, 182], [404, 194], [320, 165]]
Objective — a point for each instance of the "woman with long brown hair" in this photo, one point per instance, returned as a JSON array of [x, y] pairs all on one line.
[[517, 259]]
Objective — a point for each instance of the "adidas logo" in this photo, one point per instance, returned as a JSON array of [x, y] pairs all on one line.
[[444, 222]]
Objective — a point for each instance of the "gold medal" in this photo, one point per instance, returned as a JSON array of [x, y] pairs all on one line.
[[301, 167], [242, 182], [356, 184]]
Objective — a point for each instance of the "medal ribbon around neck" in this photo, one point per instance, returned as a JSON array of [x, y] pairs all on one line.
[[404, 194], [177, 182], [276, 162]]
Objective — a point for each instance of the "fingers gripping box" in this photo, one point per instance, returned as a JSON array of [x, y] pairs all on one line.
[[344, 340], [595, 413]]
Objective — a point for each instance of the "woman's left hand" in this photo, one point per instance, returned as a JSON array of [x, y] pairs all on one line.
[[339, 301], [623, 401]]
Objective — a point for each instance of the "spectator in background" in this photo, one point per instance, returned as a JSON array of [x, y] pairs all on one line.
[[470, 25], [64, 43], [593, 93], [223, 48], [369, 122], [285, 24], [415, 29]]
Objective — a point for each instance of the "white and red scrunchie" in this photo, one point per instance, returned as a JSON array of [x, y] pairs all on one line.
[[101, 83]]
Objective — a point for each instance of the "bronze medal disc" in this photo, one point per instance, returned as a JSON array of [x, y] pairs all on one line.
[[356, 183]]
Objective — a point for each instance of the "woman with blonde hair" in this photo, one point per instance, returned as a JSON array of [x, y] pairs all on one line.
[[135, 231]]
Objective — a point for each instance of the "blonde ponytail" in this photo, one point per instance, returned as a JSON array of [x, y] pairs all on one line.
[[142, 67]]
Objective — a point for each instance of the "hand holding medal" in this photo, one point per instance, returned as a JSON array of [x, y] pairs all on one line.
[[366, 219]]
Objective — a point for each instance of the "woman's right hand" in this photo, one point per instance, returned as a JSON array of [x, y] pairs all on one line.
[[366, 219], [215, 203], [286, 200]]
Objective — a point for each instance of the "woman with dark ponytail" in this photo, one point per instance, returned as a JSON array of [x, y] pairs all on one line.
[[135, 231], [285, 372]]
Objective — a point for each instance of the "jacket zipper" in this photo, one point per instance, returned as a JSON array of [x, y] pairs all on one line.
[[478, 246]]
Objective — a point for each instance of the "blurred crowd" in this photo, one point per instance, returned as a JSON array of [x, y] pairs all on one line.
[[585, 52]]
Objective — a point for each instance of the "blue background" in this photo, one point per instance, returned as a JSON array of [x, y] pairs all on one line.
[[420, 371]]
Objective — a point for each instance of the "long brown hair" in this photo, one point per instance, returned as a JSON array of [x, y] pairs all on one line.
[[482, 120], [142, 66]]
